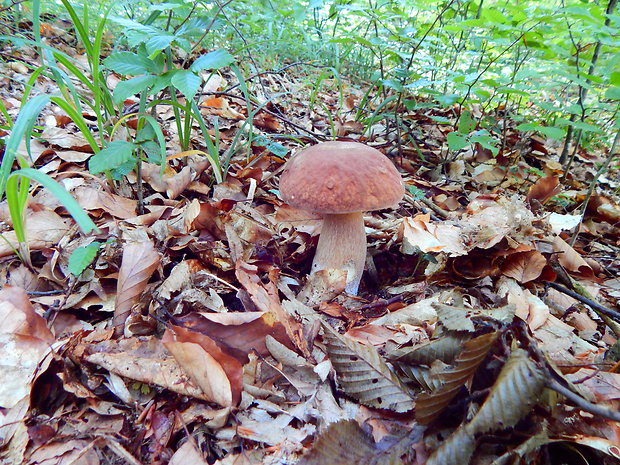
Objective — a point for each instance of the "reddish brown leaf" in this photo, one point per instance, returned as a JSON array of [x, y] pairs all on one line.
[[219, 375], [140, 260], [542, 190], [524, 266]]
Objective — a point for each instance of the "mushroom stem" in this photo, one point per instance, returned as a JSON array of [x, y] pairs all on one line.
[[342, 245]]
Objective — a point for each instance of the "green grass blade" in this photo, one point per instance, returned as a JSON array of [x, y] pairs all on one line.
[[79, 121], [79, 215], [22, 128]]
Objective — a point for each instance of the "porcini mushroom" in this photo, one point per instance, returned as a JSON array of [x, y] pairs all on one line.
[[341, 180]]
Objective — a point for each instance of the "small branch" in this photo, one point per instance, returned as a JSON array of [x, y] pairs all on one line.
[[590, 303], [581, 402]]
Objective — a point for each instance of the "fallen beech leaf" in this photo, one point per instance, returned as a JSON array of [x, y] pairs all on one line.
[[265, 297], [140, 260], [570, 259], [524, 266], [542, 190], [143, 359], [44, 228], [24, 342], [187, 453], [202, 367]]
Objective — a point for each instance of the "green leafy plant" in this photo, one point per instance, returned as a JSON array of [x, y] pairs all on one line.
[[16, 183]]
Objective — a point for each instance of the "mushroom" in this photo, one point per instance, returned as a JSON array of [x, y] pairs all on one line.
[[341, 180]]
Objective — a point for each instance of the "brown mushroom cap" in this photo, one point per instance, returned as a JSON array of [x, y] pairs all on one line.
[[341, 177]]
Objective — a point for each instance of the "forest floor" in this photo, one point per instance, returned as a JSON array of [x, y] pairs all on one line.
[[485, 329]]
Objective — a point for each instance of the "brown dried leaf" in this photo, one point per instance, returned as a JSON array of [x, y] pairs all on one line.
[[429, 406], [140, 260], [512, 396], [456, 450], [24, 342], [265, 297], [364, 375], [244, 331], [446, 348], [570, 259], [524, 266], [542, 190], [142, 359], [44, 228], [345, 443], [229, 359], [203, 369]]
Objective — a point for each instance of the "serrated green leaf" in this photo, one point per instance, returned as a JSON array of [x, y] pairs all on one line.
[[187, 82], [213, 60], [613, 93], [126, 89], [157, 43], [115, 155], [82, 257], [129, 63], [466, 123], [456, 141]]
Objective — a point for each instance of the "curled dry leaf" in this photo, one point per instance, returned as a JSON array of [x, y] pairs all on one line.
[[570, 259], [364, 375], [143, 359], [24, 342], [140, 260], [265, 297], [345, 443], [209, 365], [524, 266], [429, 406], [542, 190], [516, 390]]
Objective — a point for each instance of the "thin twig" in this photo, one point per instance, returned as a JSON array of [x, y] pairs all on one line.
[[590, 303], [581, 402]]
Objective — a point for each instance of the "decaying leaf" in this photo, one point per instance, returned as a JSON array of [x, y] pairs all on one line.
[[445, 348], [24, 342], [140, 260], [345, 443], [364, 375], [429, 406], [142, 359], [517, 388], [219, 375], [455, 450]]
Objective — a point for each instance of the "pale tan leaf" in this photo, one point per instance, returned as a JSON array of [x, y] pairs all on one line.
[[24, 342], [456, 450], [140, 260], [142, 359], [516, 390], [44, 228], [446, 348], [203, 370], [228, 358], [345, 443], [455, 318], [188, 453], [524, 266], [570, 259], [429, 406], [364, 375]]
